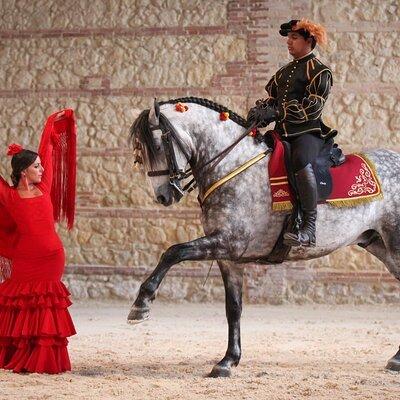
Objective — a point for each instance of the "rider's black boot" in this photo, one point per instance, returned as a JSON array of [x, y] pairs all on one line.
[[307, 189]]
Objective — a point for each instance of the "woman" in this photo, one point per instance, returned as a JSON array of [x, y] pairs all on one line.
[[34, 320]]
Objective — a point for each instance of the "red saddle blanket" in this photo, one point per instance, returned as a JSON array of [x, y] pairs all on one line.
[[354, 182]]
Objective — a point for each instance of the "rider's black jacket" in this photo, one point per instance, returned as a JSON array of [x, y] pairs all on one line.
[[299, 91]]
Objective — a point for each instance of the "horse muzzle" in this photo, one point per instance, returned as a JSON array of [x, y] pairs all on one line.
[[165, 195], [161, 199]]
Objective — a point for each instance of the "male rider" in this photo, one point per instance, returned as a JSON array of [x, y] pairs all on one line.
[[298, 92]]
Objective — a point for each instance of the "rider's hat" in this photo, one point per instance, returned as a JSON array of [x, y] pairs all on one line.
[[307, 29]]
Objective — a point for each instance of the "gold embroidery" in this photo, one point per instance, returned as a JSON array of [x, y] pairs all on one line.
[[299, 133], [279, 183], [365, 184], [326, 134], [281, 193], [281, 206], [319, 73], [284, 128], [305, 114], [278, 178], [315, 95], [284, 111]]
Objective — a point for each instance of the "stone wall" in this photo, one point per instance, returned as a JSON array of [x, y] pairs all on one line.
[[108, 59]]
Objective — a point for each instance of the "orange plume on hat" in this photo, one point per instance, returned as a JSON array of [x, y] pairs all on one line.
[[315, 30]]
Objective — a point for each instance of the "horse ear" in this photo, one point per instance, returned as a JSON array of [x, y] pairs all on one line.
[[154, 115], [156, 107]]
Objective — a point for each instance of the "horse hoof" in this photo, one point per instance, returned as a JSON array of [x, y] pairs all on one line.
[[393, 364], [138, 315], [220, 372]]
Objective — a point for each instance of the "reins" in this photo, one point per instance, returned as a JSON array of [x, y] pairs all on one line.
[[220, 156], [176, 175]]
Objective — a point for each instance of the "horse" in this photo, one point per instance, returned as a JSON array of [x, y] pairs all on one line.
[[239, 224]]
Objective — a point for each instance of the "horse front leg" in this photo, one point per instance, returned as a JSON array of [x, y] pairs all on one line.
[[204, 248], [232, 275]]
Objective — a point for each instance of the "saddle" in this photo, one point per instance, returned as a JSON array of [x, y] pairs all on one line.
[[330, 156]]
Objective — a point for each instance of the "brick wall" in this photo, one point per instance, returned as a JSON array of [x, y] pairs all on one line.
[[108, 59]]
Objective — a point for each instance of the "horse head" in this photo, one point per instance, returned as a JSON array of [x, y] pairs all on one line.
[[162, 153]]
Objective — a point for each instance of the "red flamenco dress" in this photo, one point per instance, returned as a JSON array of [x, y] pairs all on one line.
[[34, 320]]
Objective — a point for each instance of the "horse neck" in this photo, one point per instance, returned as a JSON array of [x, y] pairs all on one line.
[[246, 187], [211, 137], [207, 136]]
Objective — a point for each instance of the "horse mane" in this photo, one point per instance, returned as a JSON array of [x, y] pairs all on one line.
[[211, 105], [140, 129], [140, 132]]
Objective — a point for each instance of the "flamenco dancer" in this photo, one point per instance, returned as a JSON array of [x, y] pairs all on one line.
[[34, 320]]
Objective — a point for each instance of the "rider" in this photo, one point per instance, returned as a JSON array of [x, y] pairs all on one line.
[[298, 92]]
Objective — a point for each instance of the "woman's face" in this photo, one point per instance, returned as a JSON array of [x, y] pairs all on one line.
[[34, 172]]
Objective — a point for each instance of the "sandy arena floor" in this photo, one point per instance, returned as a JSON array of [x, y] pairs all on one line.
[[289, 352]]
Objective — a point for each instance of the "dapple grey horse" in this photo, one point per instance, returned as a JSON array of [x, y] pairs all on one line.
[[238, 222]]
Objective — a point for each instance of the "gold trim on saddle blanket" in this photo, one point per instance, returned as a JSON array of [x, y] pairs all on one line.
[[281, 206], [232, 174]]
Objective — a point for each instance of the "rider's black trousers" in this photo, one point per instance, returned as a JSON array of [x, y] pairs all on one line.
[[305, 150]]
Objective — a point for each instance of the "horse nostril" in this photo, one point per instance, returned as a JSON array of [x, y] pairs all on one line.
[[161, 199]]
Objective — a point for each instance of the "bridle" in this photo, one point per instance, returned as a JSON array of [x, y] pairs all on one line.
[[176, 174]]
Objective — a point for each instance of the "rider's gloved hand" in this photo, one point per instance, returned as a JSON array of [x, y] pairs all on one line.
[[262, 114], [252, 115]]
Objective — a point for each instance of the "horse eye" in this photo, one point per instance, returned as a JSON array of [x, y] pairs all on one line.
[[158, 148]]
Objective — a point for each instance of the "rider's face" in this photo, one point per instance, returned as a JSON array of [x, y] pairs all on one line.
[[297, 45]]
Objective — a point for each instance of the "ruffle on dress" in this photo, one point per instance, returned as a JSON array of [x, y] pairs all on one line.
[[34, 326]]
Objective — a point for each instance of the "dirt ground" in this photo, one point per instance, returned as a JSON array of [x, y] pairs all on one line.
[[289, 352]]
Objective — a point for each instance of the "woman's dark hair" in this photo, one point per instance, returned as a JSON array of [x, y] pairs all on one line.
[[19, 162]]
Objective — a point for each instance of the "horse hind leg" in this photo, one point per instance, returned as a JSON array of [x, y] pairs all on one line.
[[232, 275], [386, 248]]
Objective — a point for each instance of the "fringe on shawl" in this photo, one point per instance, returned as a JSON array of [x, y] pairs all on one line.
[[5, 268], [60, 129]]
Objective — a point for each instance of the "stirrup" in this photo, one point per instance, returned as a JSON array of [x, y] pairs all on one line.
[[295, 240]]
